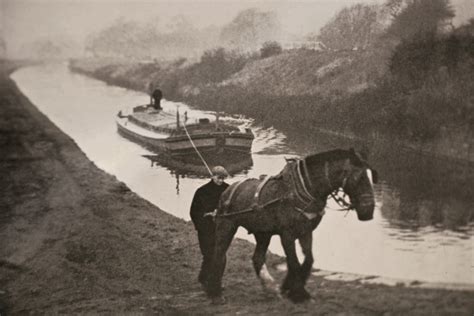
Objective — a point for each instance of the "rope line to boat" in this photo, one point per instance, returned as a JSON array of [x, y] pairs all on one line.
[[197, 151]]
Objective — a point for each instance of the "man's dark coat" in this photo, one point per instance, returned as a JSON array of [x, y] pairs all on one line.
[[205, 201]]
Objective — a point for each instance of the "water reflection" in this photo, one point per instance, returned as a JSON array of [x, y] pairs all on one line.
[[406, 210], [191, 165], [421, 191]]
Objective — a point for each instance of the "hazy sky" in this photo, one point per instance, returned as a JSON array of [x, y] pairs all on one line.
[[26, 20]]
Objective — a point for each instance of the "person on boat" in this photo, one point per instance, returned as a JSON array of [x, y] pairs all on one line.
[[157, 95], [204, 203]]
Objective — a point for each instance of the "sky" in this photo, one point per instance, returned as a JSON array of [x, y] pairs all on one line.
[[26, 20]]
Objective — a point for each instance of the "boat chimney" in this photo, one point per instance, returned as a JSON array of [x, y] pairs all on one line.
[[217, 121], [157, 96], [177, 119]]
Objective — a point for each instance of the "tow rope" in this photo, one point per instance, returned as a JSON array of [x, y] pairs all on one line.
[[197, 151]]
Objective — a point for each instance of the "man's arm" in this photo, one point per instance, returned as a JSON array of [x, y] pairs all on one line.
[[196, 210]]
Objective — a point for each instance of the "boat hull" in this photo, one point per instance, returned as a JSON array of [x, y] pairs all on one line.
[[180, 144], [217, 142], [154, 144]]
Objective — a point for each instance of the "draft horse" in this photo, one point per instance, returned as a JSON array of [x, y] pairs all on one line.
[[291, 205]]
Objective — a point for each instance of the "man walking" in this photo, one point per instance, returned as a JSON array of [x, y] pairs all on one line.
[[205, 201]]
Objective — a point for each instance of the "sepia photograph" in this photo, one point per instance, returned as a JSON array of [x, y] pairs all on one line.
[[237, 157]]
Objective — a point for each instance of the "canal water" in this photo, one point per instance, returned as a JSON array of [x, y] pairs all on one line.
[[423, 227]]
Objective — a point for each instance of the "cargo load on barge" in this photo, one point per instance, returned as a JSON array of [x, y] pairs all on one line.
[[164, 132]]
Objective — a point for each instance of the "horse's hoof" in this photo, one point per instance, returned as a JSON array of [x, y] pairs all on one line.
[[284, 290], [298, 296], [218, 300], [278, 295]]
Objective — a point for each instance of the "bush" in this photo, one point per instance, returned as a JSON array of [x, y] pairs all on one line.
[[215, 66], [270, 48]]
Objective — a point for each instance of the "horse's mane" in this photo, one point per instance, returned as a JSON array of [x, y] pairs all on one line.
[[332, 155]]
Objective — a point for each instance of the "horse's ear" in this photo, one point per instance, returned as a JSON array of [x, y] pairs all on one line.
[[357, 159]]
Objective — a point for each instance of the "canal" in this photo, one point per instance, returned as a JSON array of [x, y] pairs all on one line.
[[423, 227]]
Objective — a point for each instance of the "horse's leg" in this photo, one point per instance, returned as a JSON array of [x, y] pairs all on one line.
[[293, 283], [259, 256], [225, 231], [288, 281], [306, 242]]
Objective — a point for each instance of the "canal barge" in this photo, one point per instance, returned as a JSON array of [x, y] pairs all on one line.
[[164, 132]]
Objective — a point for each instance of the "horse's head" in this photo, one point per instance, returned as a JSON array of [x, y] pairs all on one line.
[[344, 169], [358, 183]]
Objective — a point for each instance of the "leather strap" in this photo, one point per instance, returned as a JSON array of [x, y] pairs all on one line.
[[231, 195], [256, 197], [303, 185]]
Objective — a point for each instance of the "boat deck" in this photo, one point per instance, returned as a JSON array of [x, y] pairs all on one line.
[[159, 130], [141, 130], [156, 118], [165, 122]]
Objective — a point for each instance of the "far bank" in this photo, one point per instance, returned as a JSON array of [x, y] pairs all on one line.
[[311, 115]]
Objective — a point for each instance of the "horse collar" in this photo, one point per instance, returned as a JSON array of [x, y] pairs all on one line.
[[326, 174], [301, 178]]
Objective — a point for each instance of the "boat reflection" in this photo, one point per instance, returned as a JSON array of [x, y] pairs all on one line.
[[191, 165]]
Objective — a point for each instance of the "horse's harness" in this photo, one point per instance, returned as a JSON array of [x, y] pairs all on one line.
[[296, 175]]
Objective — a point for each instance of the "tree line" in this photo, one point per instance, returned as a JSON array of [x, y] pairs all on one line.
[[180, 38], [427, 87]]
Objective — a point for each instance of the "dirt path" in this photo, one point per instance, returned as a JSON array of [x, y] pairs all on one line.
[[75, 240]]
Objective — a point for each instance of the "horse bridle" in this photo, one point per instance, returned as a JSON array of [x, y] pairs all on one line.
[[341, 201]]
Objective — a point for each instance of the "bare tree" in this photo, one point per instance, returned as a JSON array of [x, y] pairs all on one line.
[[250, 29], [420, 19], [3, 48], [353, 27]]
